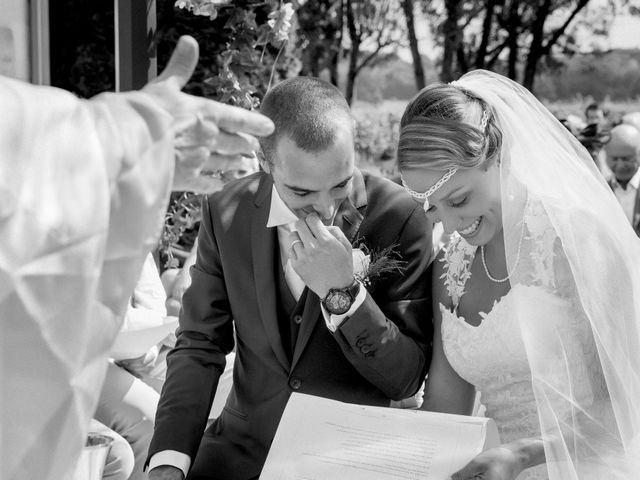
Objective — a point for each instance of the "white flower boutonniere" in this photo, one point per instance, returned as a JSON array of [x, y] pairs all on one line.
[[369, 265], [361, 262]]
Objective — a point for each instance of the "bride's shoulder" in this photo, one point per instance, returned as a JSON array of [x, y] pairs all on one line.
[[544, 212], [549, 224]]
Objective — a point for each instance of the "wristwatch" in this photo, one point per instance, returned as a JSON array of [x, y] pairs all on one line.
[[339, 300]]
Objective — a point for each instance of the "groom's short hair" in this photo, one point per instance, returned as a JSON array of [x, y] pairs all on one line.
[[307, 110]]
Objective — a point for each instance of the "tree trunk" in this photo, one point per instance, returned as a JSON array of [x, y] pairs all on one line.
[[353, 54], [535, 49], [487, 26], [451, 32], [513, 26], [539, 49], [418, 71], [463, 63], [337, 52]]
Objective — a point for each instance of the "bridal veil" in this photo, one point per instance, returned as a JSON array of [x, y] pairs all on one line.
[[583, 250]]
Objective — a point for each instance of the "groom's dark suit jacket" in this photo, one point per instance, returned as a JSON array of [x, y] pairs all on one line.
[[382, 352]]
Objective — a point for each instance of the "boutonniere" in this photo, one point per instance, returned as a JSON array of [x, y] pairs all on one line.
[[370, 264]]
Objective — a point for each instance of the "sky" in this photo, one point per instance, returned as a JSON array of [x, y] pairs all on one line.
[[625, 33]]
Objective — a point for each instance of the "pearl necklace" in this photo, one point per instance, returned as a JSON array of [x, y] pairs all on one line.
[[484, 262]]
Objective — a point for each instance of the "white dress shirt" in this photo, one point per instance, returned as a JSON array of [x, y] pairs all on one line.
[[84, 186], [627, 196]]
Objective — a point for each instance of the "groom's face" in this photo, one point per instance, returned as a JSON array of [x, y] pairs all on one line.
[[311, 182]]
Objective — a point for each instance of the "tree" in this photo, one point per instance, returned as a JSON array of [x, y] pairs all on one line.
[[477, 33], [543, 40], [372, 24], [319, 34], [418, 71], [452, 34]]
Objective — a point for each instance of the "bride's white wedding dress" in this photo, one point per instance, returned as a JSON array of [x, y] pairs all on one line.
[[492, 356]]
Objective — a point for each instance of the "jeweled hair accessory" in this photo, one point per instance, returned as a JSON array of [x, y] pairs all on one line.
[[484, 120], [435, 187]]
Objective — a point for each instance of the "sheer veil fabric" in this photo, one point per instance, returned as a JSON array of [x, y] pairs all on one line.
[[579, 246]]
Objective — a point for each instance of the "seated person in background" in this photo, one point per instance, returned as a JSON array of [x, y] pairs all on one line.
[[135, 374], [120, 459], [623, 157]]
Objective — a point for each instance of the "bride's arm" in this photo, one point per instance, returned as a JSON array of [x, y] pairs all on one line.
[[444, 391]]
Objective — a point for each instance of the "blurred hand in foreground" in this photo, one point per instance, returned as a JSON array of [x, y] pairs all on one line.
[[211, 137]]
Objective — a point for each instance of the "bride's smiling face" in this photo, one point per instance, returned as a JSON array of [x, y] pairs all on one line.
[[469, 202]]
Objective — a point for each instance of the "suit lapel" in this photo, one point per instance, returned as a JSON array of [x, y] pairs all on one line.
[[263, 247], [348, 219]]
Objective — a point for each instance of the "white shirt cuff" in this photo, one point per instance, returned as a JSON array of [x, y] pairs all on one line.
[[334, 321], [171, 457]]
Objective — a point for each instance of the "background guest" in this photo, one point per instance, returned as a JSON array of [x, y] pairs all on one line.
[[623, 154], [595, 114], [594, 137]]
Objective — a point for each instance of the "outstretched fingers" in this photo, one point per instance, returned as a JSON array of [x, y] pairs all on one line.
[[236, 120], [181, 65]]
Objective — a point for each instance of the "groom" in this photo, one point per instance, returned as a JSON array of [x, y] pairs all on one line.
[[274, 275]]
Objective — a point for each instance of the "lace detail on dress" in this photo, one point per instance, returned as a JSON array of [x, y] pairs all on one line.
[[458, 255]]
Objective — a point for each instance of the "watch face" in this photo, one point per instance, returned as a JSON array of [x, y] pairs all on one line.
[[338, 302]]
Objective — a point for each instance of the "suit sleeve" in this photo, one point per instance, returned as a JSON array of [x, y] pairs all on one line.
[[388, 338], [194, 366]]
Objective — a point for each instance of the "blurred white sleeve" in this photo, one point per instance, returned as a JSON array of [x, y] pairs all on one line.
[[83, 190]]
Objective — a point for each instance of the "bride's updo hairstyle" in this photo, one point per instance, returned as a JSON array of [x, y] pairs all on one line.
[[442, 128]]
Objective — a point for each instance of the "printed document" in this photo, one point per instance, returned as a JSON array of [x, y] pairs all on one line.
[[322, 439]]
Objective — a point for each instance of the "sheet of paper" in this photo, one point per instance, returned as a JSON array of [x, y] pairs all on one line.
[[134, 343], [321, 439]]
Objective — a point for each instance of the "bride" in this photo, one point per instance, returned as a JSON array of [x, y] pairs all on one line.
[[537, 294]]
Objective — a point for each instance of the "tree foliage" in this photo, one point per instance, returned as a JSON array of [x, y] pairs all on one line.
[[244, 48], [514, 37], [377, 25], [320, 37]]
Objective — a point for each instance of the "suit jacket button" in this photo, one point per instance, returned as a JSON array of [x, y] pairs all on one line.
[[295, 383], [360, 342], [297, 319], [365, 349]]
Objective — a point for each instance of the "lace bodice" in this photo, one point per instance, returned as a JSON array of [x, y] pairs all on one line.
[[492, 356]]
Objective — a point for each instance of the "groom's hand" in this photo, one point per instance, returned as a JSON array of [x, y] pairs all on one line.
[[321, 255]]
